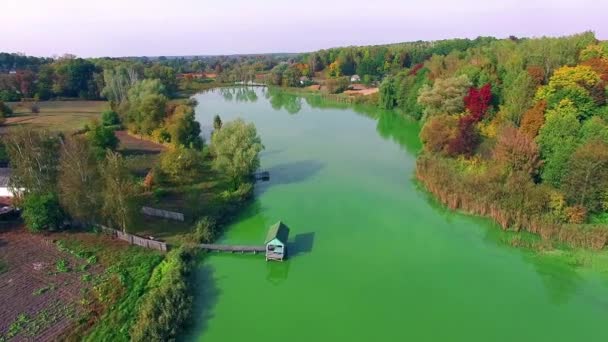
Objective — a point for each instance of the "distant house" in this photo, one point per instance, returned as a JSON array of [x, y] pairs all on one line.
[[355, 78], [12, 72], [276, 242]]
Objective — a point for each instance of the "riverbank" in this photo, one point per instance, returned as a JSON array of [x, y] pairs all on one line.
[[577, 244]]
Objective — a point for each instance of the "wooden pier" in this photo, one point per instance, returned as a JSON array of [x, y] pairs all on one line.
[[233, 248], [275, 245]]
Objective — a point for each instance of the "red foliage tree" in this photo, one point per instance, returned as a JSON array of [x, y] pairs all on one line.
[[415, 69], [467, 138], [478, 101]]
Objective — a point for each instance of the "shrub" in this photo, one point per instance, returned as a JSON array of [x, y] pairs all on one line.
[[205, 230], [42, 212], [62, 266], [167, 306], [110, 118]]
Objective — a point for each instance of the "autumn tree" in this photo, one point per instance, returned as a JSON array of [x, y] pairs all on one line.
[[183, 128], [477, 101], [574, 84], [438, 132], [34, 159], [79, 183], [467, 138], [118, 191], [586, 176], [517, 151], [533, 119]]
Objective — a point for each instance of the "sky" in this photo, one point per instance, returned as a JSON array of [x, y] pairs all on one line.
[[210, 27]]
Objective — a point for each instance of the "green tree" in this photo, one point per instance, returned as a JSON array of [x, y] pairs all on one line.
[[110, 118], [445, 96], [236, 147], [518, 97], [166, 75], [102, 138], [388, 95], [41, 211], [181, 165], [146, 104], [558, 138]]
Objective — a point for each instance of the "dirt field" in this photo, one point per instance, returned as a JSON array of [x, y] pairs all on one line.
[[134, 145], [55, 115], [40, 286], [368, 91]]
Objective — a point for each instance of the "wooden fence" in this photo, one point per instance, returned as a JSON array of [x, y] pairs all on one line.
[[162, 213], [136, 240]]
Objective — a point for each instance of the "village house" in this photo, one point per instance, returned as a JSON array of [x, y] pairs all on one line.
[[5, 174], [355, 78]]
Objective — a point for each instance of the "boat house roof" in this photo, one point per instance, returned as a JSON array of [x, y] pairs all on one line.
[[277, 231]]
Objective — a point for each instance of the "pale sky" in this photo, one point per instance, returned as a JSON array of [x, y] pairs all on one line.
[[205, 27]]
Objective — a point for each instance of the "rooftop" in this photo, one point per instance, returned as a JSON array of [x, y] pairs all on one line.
[[278, 231]]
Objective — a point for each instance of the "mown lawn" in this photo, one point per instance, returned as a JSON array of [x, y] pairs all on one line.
[[61, 116]]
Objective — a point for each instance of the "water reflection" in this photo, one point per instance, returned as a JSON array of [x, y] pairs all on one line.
[[282, 100], [206, 294], [402, 130], [239, 94], [277, 272]]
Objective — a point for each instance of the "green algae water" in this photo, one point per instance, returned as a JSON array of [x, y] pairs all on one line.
[[372, 256]]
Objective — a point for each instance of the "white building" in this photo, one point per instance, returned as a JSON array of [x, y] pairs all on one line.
[[355, 78], [5, 174]]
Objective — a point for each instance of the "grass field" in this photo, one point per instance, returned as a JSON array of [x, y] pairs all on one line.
[[64, 116]]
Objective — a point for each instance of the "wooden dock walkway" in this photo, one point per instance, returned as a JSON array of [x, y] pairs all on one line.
[[233, 248]]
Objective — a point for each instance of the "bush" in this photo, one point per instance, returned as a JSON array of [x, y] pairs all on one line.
[[205, 230], [336, 85], [168, 304], [110, 118], [242, 193], [35, 108], [42, 212], [5, 111]]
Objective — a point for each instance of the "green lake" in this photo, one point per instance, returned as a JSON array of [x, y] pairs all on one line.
[[372, 256]]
